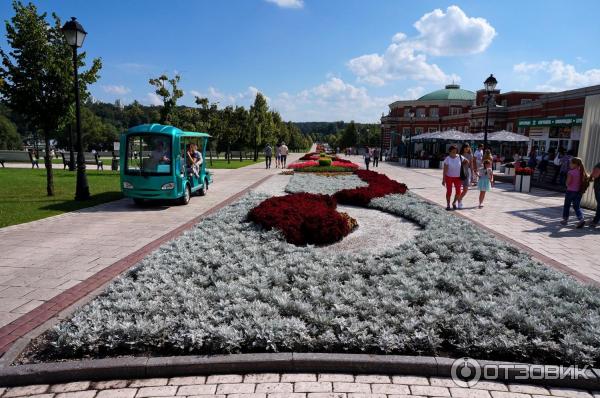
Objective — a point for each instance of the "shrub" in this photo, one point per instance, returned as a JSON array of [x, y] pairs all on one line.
[[326, 169], [326, 162], [303, 218], [379, 185]]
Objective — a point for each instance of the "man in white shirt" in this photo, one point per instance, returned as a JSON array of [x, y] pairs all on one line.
[[283, 151], [478, 161]]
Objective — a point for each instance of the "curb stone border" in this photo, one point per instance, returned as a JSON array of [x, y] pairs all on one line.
[[145, 367]]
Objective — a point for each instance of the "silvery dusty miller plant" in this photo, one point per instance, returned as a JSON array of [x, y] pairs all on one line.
[[226, 286]]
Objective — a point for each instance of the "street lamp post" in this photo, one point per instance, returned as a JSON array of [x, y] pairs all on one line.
[[490, 85], [409, 157], [381, 143], [75, 35]]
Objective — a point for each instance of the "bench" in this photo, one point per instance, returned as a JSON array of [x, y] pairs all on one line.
[[19, 156], [89, 159]]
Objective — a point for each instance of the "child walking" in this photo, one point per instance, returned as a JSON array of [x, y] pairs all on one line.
[[486, 179], [577, 180]]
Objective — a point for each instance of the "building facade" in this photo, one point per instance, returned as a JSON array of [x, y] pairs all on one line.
[[550, 120]]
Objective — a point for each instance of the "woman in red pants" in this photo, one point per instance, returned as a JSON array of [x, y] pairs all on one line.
[[451, 177]]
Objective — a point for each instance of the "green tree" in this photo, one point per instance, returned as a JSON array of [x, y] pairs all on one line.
[[169, 96], [37, 74], [349, 136], [259, 120], [9, 137]]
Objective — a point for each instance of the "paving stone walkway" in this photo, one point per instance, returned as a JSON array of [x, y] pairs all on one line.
[[531, 219], [291, 385], [43, 259]]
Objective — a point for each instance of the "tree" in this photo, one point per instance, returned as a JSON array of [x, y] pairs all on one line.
[[349, 136], [9, 137], [259, 120], [37, 74], [169, 96]]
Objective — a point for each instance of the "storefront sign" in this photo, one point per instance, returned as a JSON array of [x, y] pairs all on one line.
[[551, 121]]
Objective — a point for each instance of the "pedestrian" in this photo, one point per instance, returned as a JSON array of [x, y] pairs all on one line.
[[556, 162], [283, 152], [367, 157], [577, 181], [451, 176], [488, 155], [532, 162], [376, 157], [486, 179], [543, 166], [277, 155], [467, 160], [596, 178], [565, 165], [478, 155], [268, 155]]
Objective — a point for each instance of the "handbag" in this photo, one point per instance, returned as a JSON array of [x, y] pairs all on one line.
[[463, 174], [556, 161]]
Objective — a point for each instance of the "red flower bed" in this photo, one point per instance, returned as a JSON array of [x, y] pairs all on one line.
[[303, 218], [310, 156], [346, 164], [379, 185], [523, 171], [300, 165]]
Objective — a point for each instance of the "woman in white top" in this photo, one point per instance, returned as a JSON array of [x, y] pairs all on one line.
[[451, 177]]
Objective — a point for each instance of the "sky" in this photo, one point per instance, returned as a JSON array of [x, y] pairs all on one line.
[[328, 60]]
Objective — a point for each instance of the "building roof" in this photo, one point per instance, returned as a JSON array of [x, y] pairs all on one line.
[[451, 92]]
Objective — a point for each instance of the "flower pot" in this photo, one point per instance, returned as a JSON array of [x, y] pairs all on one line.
[[510, 171], [522, 183], [497, 165], [441, 165], [426, 164]]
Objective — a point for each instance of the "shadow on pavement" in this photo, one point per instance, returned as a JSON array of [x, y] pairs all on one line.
[[548, 219]]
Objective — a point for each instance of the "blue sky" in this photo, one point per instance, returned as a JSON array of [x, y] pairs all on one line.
[[322, 60]]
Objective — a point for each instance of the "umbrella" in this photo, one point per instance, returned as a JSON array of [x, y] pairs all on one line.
[[507, 136]]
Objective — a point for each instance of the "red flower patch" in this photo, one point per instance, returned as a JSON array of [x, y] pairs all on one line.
[[379, 185], [300, 165], [303, 218], [346, 163]]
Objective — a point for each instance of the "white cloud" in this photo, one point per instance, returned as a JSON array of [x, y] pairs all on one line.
[[453, 33], [153, 99], [287, 3], [245, 98], [116, 90], [557, 75], [441, 33], [336, 100]]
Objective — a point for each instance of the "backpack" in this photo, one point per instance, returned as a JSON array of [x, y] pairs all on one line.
[[585, 184]]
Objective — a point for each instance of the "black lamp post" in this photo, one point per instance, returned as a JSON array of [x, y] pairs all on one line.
[[381, 143], [409, 157], [490, 86], [75, 35]]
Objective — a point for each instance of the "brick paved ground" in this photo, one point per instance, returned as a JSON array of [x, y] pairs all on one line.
[[531, 219], [291, 385], [43, 259]]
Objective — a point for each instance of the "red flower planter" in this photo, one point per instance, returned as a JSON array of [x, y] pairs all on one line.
[[379, 185], [303, 218]]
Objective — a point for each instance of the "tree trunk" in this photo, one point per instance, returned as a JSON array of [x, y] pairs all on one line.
[[228, 153], [48, 164], [240, 153]]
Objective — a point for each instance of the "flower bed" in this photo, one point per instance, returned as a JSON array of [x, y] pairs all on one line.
[[228, 286], [523, 171], [379, 185], [315, 162], [303, 218], [320, 184]]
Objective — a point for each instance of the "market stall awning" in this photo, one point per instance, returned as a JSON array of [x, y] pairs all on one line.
[[448, 135], [506, 136]]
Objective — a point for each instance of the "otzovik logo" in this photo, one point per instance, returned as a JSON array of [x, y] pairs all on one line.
[[465, 372]]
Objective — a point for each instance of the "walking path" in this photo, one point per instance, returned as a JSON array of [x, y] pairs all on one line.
[[292, 385], [43, 259], [531, 219]]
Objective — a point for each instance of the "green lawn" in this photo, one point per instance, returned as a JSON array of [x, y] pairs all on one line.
[[235, 163], [23, 193]]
